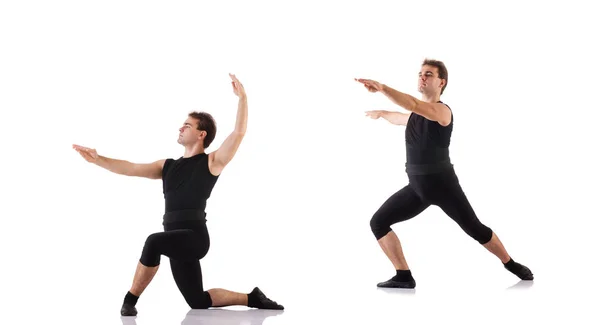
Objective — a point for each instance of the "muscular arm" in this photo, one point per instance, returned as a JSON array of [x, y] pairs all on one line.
[[222, 156], [122, 167], [432, 111]]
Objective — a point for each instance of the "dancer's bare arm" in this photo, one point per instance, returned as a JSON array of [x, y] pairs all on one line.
[[122, 167], [222, 156], [396, 118], [432, 111]]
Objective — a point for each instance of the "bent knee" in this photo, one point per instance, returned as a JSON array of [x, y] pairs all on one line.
[[379, 228], [151, 240], [479, 232], [485, 235], [150, 253]]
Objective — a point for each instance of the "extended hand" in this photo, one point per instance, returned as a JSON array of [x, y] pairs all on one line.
[[374, 114], [88, 154], [238, 88], [371, 85]]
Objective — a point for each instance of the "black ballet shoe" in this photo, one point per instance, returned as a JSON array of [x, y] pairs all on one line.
[[520, 270], [128, 310], [391, 283], [257, 299]]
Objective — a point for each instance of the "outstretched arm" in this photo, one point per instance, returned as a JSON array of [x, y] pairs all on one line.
[[432, 111], [122, 167], [222, 156], [396, 118]]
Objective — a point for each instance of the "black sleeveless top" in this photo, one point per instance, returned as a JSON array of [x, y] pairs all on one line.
[[187, 183], [427, 145]]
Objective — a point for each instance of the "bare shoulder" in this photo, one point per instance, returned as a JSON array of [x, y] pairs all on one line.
[[441, 106], [444, 114]]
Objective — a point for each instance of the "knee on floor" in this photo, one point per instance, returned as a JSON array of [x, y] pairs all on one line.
[[202, 301]]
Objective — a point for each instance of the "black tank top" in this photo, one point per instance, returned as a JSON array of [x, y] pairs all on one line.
[[187, 183], [427, 145]]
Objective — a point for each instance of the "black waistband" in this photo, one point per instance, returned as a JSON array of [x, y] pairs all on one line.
[[184, 215], [418, 155], [424, 169]]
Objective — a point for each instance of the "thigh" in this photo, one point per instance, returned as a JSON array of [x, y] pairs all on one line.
[[181, 244], [451, 198], [402, 205], [456, 205]]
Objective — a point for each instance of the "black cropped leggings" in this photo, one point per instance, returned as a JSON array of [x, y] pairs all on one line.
[[441, 189], [185, 243]]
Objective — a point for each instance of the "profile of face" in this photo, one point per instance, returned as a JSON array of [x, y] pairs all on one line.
[[189, 133], [429, 80]]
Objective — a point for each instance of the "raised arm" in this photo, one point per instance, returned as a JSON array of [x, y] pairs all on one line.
[[396, 118], [219, 158], [122, 167], [432, 111]]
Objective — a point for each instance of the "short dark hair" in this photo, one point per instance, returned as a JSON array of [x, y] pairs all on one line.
[[205, 123], [442, 71]]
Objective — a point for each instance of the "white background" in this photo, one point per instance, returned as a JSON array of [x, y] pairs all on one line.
[[291, 213]]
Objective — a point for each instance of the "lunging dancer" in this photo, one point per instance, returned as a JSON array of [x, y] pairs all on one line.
[[431, 175]]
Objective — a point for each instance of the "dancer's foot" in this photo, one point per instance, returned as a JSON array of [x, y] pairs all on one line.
[[520, 270], [128, 310], [403, 280], [257, 299]]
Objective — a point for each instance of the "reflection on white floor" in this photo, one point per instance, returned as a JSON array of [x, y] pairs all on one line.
[[220, 317], [521, 285]]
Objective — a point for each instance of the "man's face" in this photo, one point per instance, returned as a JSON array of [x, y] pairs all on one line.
[[429, 80], [189, 133]]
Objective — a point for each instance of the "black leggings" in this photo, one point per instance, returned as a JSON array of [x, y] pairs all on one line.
[[185, 243], [440, 189]]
